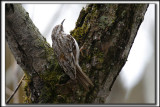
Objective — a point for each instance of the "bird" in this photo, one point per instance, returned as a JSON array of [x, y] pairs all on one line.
[[67, 52]]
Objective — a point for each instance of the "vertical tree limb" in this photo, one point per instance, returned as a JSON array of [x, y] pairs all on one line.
[[106, 32]]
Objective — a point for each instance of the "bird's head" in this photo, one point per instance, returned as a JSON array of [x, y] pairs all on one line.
[[58, 29]]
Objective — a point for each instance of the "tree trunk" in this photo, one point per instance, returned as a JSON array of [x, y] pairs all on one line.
[[106, 32]]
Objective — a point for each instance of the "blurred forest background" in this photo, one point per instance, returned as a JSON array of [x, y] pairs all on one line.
[[136, 81]]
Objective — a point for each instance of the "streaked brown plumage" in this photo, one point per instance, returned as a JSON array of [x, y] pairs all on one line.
[[66, 50]]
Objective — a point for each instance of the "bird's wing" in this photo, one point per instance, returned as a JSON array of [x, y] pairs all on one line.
[[67, 55], [72, 45]]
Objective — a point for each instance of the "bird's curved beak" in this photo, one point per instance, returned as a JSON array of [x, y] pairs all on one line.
[[62, 22]]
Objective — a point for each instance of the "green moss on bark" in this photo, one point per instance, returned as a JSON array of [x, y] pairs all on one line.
[[100, 30]]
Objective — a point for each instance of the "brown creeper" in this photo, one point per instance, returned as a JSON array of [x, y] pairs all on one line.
[[67, 52]]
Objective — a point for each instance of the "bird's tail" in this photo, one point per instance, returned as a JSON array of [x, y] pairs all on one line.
[[83, 78]]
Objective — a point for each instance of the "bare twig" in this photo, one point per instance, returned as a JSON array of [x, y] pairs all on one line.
[[19, 84]]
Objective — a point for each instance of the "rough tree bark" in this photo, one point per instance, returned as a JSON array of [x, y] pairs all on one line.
[[106, 32]]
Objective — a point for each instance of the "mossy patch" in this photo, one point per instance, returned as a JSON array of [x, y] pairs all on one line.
[[50, 76], [27, 98]]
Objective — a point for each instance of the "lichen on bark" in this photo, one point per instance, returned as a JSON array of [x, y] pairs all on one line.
[[106, 33]]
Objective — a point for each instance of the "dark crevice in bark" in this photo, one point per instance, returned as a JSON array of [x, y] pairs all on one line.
[[106, 32]]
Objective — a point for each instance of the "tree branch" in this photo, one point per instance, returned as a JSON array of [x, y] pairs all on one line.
[[29, 47], [14, 92], [106, 32]]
